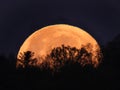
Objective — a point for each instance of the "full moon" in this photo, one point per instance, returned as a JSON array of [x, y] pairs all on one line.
[[44, 40]]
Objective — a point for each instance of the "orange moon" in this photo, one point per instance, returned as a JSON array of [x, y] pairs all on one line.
[[42, 41]]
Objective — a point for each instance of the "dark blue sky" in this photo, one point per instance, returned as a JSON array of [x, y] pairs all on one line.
[[20, 18]]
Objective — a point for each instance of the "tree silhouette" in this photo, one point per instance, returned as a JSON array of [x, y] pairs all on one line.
[[26, 60], [64, 55]]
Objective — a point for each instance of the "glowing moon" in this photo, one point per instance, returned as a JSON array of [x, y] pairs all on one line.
[[44, 40]]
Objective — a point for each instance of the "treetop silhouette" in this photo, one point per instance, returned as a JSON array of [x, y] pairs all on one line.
[[59, 57], [26, 59]]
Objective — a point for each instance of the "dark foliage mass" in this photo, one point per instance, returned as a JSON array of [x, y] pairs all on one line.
[[71, 76], [26, 60], [59, 57], [65, 55]]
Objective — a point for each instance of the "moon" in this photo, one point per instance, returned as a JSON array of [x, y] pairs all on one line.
[[44, 40]]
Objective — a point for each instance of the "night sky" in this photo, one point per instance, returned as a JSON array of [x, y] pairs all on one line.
[[20, 18]]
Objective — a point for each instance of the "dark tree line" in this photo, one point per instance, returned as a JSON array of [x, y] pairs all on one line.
[[59, 57], [72, 76]]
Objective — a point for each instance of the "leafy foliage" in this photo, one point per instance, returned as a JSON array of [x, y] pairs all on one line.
[[64, 55], [25, 60], [60, 57]]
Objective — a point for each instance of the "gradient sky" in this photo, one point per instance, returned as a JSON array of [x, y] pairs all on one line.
[[20, 18]]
